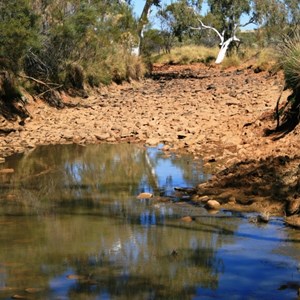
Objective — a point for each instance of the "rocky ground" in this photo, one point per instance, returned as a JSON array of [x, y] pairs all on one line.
[[220, 115]]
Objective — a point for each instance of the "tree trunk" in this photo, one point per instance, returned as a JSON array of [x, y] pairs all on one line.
[[223, 50]]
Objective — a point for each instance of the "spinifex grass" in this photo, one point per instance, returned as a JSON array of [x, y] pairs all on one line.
[[289, 61]]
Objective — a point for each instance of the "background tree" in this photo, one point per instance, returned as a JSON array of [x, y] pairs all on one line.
[[80, 36], [271, 15], [144, 21], [19, 32], [175, 21]]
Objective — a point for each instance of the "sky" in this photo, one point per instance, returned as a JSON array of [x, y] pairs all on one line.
[[138, 6]]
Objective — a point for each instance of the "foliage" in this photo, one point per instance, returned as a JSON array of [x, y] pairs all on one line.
[[18, 27], [154, 42], [229, 13], [289, 61], [44, 38], [85, 34], [177, 17]]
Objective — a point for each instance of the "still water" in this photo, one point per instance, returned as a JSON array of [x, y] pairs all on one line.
[[73, 228]]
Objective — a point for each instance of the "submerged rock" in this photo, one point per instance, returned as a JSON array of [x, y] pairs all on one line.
[[187, 219], [213, 204], [19, 297], [293, 221], [33, 290], [263, 218], [144, 196], [7, 171]]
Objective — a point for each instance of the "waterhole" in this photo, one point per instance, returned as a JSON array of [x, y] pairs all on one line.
[[73, 227]]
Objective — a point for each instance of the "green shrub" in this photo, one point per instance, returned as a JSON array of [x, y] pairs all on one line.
[[19, 31], [289, 60]]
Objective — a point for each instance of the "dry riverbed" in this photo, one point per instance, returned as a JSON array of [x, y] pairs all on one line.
[[220, 115]]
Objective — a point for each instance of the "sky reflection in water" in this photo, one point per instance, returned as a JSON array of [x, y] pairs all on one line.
[[72, 228]]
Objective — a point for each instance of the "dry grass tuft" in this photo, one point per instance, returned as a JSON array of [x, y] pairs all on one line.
[[188, 54]]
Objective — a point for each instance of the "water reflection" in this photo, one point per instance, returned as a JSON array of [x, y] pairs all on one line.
[[72, 228], [89, 177]]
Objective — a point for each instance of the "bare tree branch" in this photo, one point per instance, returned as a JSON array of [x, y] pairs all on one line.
[[47, 85], [251, 21], [221, 36]]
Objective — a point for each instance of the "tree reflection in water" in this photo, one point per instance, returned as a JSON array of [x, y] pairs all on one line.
[[72, 225]]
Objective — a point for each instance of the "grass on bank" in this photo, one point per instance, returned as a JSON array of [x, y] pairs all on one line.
[[263, 58], [117, 65], [187, 54]]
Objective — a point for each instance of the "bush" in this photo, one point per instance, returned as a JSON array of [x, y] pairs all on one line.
[[115, 64], [18, 27], [74, 76], [289, 60]]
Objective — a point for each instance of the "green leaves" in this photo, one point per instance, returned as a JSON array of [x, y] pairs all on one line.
[[289, 59], [18, 28]]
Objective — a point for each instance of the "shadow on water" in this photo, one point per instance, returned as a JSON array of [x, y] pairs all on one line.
[[73, 228]]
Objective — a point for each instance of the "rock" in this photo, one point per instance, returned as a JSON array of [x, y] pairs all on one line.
[[211, 87], [2, 160], [152, 142], [232, 200], [257, 70], [111, 139], [187, 190], [293, 207], [263, 218], [187, 219], [102, 136], [293, 221], [181, 135], [213, 211], [33, 290], [166, 148], [19, 297], [75, 277], [7, 171], [203, 198], [144, 196], [125, 133], [68, 135], [213, 204]]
